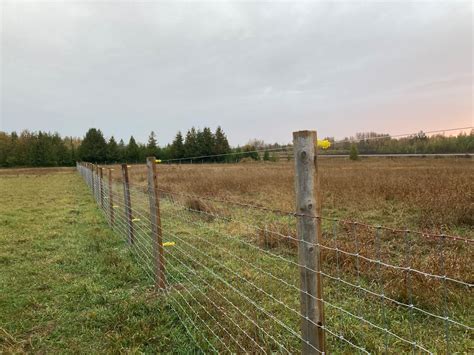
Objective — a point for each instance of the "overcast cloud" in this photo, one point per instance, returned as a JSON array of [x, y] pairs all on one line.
[[261, 70]]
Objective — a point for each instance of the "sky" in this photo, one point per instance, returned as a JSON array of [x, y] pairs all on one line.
[[258, 69]]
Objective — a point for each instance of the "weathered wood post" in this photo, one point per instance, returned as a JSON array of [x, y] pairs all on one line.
[[155, 219], [92, 179], [111, 200], [96, 172], [89, 174], [128, 204], [101, 187], [308, 227]]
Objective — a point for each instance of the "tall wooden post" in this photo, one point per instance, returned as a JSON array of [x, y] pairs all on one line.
[[155, 218], [128, 204], [101, 186], [308, 209], [111, 200]]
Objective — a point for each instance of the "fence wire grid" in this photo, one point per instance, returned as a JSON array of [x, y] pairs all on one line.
[[233, 275]]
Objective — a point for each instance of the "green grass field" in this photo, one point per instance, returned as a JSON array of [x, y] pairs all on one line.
[[67, 283]]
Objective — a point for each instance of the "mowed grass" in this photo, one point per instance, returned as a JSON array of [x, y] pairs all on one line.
[[67, 282]]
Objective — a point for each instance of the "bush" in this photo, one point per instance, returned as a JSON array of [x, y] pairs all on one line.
[[266, 156], [354, 154]]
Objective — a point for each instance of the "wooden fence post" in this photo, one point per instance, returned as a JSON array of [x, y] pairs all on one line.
[[101, 186], [155, 218], [91, 167], [128, 204], [96, 172], [111, 200], [89, 173], [308, 209]]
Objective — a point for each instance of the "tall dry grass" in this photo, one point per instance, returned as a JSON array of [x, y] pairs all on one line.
[[424, 193]]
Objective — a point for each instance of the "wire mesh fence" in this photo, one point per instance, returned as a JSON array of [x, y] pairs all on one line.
[[235, 277]]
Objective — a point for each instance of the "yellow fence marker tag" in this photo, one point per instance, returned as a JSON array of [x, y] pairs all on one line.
[[135, 219], [158, 161], [115, 206], [324, 144], [168, 244], [129, 166]]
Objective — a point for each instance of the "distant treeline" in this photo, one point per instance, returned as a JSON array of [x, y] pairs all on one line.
[[50, 149], [375, 143]]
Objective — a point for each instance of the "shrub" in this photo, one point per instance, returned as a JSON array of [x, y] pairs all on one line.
[[354, 154]]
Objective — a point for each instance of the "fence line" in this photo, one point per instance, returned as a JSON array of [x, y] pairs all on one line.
[[234, 280]]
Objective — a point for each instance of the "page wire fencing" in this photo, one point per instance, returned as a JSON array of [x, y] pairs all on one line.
[[245, 278]]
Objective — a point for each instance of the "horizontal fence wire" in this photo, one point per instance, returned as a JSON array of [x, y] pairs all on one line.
[[233, 275]]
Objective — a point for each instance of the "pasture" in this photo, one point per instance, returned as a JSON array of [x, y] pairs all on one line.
[[72, 283], [67, 283]]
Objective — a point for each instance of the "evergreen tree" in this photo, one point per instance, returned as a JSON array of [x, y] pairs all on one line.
[[152, 146], [72, 150], [122, 151], [113, 152], [12, 156], [177, 147], [4, 148], [43, 150], [191, 147], [93, 148], [58, 154], [133, 151], [221, 145], [143, 152], [165, 152], [206, 143]]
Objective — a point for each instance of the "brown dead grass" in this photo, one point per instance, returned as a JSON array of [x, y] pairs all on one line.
[[428, 194]]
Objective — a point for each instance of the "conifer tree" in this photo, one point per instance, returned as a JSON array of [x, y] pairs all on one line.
[[93, 148], [206, 143], [177, 147], [221, 145], [113, 153], [152, 145], [191, 147], [122, 151], [133, 151]]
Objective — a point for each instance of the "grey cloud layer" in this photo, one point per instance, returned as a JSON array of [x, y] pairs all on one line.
[[258, 69]]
